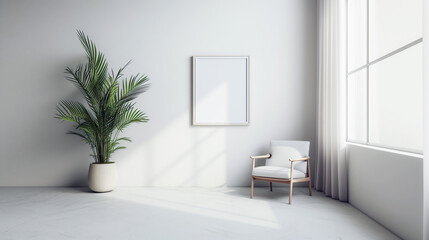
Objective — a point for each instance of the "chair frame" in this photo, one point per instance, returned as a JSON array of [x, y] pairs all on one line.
[[290, 181]]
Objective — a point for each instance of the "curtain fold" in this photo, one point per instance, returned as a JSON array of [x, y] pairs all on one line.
[[331, 169]]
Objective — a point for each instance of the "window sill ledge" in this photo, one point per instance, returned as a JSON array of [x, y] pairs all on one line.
[[386, 150]]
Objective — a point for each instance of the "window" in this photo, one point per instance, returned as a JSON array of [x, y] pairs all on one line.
[[385, 64]]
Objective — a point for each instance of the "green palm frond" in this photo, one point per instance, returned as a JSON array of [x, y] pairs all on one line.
[[132, 87], [109, 108], [73, 110]]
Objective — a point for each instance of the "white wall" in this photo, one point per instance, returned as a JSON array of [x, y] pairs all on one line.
[[38, 40], [387, 187]]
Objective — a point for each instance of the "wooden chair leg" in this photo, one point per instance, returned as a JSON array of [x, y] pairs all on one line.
[[271, 186], [291, 183], [309, 187], [251, 188]]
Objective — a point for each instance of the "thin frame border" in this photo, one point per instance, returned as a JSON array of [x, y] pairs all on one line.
[[194, 62]]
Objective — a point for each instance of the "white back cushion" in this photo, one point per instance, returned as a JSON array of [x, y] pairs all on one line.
[[282, 151]]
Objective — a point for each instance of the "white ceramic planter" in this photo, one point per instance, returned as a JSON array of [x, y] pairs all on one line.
[[102, 177]]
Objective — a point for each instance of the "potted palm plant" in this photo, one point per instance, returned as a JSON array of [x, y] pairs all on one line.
[[108, 109]]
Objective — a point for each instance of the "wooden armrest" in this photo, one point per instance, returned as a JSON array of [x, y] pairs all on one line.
[[299, 159], [261, 156]]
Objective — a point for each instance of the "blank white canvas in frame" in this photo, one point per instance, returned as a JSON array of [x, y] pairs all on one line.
[[220, 90]]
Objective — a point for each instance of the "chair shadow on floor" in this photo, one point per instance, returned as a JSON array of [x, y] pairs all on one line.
[[263, 193]]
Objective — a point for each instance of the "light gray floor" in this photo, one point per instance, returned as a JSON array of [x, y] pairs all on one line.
[[179, 213]]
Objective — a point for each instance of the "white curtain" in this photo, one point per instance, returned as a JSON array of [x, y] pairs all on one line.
[[331, 169]]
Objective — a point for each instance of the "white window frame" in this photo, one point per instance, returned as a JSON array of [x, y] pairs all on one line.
[[366, 66]]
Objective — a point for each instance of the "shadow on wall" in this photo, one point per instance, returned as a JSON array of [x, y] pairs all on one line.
[[35, 146]]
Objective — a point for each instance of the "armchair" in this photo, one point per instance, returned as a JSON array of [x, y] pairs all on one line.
[[287, 162]]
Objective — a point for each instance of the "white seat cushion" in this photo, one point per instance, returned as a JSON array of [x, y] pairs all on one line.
[[276, 172]]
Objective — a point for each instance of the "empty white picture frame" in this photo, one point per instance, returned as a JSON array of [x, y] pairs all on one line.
[[220, 90]]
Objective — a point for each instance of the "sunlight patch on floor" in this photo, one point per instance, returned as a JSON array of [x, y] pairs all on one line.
[[207, 204]]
